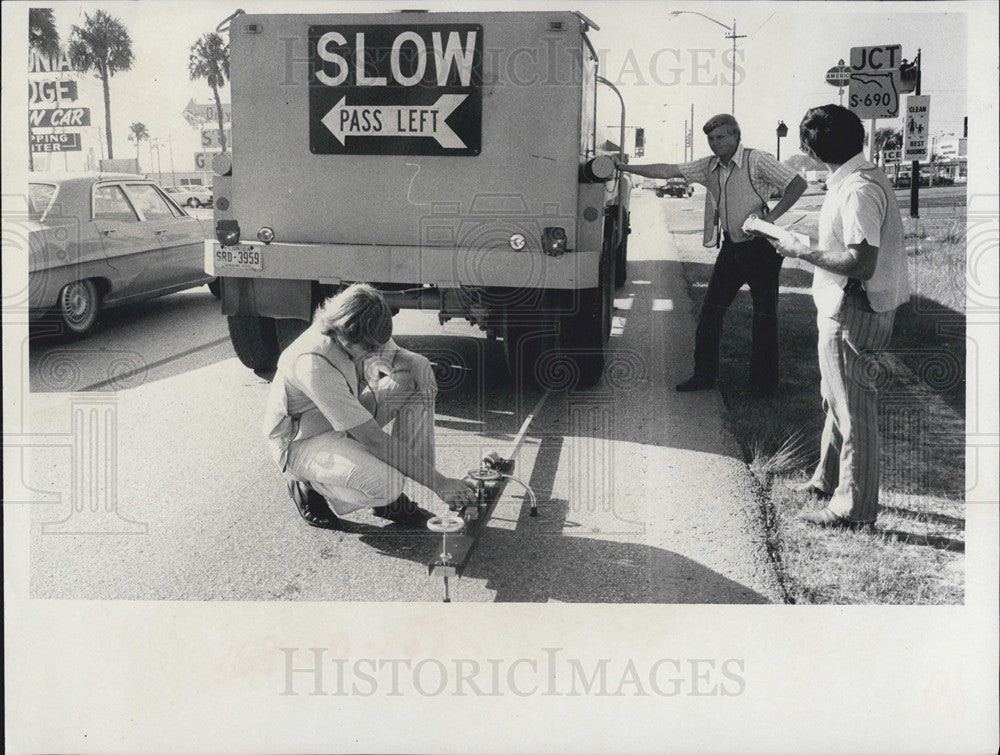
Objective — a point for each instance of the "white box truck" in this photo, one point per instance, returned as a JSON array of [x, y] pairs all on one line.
[[449, 159]]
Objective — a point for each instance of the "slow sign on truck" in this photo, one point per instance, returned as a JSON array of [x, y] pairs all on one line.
[[448, 159]]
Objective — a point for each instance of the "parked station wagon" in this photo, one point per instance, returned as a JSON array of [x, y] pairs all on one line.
[[100, 240]]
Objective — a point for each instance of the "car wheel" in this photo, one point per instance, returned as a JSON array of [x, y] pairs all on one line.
[[79, 305], [193, 202], [215, 286]]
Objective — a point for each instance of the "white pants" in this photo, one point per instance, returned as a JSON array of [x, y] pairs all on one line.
[[348, 475]]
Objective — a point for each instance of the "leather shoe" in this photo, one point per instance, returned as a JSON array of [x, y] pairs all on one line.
[[824, 517], [695, 384], [312, 506], [403, 511]]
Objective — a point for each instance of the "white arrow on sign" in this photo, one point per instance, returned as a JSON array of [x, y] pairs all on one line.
[[345, 120]]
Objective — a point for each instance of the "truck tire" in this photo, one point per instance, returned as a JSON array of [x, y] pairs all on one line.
[[255, 341], [524, 346], [621, 253], [288, 330], [584, 333]]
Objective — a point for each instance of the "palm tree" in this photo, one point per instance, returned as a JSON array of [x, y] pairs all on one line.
[[43, 38], [102, 45], [888, 138], [209, 60], [136, 133]]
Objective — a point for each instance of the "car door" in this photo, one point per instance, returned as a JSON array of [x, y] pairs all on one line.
[[133, 253], [180, 236]]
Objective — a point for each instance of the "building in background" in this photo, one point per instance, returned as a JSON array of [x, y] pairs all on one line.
[[950, 158]]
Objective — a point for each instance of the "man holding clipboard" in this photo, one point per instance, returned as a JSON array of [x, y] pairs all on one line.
[[861, 276], [739, 182]]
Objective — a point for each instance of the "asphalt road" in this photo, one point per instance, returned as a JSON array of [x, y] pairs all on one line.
[[152, 481]]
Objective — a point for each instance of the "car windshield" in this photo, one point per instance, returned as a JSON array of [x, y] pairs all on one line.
[[39, 198]]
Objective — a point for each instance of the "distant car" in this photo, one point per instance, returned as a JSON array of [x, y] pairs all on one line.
[[675, 187], [99, 240], [192, 196]]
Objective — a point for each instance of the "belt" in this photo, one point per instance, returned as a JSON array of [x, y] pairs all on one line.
[[753, 240], [854, 288]]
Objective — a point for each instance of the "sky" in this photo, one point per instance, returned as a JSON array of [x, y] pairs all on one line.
[[662, 64]]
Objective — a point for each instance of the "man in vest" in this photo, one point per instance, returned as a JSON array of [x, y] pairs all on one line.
[[739, 182], [860, 279]]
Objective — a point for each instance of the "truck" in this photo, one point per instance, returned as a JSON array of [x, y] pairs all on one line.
[[448, 159]]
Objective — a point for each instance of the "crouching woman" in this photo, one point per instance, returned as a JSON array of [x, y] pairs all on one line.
[[337, 388]]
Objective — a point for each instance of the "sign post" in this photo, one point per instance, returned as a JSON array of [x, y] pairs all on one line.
[[915, 165], [838, 76]]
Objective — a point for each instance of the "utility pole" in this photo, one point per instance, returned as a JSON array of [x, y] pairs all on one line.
[[691, 132], [915, 165], [733, 36], [173, 175]]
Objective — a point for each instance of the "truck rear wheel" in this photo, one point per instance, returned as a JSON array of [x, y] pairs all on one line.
[[584, 334], [288, 330], [524, 346], [621, 253], [255, 341]]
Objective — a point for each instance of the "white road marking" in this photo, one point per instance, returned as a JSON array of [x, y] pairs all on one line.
[[663, 305]]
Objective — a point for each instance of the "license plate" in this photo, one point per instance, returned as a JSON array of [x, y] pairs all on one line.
[[244, 256]]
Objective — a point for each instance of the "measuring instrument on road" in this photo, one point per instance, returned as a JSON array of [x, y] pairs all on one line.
[[467, 523], [460, 530]]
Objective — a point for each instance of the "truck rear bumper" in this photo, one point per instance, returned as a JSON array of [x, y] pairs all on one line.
[[442, 267]]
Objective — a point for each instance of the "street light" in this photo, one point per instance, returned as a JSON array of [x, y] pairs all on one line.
[[732, 35], [782, 130]]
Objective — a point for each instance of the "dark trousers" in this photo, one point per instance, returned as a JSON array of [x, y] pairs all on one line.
[[756, 263]]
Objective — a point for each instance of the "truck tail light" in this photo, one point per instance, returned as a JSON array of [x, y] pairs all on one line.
[[598, 170], [227, 232], [265, 234], [554, 241]]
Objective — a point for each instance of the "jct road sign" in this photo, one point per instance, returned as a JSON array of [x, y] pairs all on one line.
[[874, 81], [874, 94], [877, 58], [396, 90], [915, 132]]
